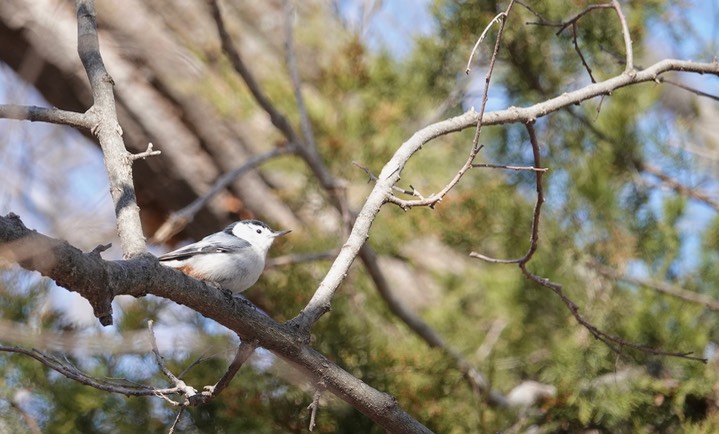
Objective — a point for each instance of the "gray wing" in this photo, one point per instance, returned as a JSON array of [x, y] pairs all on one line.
[[215, 243]]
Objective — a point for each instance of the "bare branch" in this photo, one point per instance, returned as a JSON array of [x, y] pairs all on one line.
[[653, 170], [491, 338], [107, 129], [373, 177], [180, 385], [534, 238], [434, 199], [615, 343], [663, 287], [687, 88], [573, 23], [627, 37], [244, 351], [158, 357], [178, 220], [391, 172], [69, 371], [426, 332], [502, 166], [177, 420], [149, 152], [306, 150], [497, 18], [676, 186], [27, 417], [42, 114], [579, 52], [305, 124], [314, 406], [564, 24], [277, 118]]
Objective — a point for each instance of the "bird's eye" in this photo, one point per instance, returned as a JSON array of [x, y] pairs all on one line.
[[259, 231]]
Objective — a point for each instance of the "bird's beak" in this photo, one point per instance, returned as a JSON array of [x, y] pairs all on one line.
[[280, 233]]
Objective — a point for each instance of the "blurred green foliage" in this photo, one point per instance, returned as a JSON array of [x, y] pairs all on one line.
[[599, 209]]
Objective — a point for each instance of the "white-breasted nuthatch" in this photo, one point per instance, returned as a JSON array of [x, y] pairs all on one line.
[[232, 259]]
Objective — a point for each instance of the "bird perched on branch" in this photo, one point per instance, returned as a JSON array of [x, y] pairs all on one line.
[[232, 259]]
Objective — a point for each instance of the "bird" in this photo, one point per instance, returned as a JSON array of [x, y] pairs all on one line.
[[232, 259]]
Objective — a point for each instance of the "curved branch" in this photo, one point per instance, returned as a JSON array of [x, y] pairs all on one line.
[[390, 174], [75, 374]]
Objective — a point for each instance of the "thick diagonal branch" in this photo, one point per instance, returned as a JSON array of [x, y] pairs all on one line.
[[142, 275]]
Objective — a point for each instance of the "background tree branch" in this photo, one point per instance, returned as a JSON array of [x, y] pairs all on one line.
[[174, 92]]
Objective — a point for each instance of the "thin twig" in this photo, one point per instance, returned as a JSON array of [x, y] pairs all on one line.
[[534, 238], [653, 170], [178, 220], [687, 88], [196, 362], [244, 351], [158, 357], [308, 151], [570, 22], [579, 52], [564, 24], [373, 178], [434, 199], [183, 388], [314, 406], [627, 37], [277, 118], [615, 343], [475, 379], [677, 186], [498, 17], [503, 166], [305, 124], [30, 421], [149, 152], [177, 420], [663, 287], [69, 371]]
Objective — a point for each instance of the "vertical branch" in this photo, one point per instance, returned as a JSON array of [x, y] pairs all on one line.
[[106, 128], [627, 37], [540, 195], [305, 124], [308, 149], [434, 199], [277, 118]]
